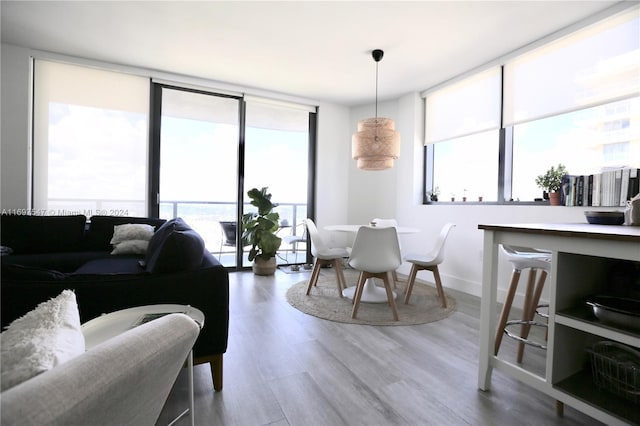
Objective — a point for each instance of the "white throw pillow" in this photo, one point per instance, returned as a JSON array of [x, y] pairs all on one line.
[[43, 338], [131, 231], [131, 247]]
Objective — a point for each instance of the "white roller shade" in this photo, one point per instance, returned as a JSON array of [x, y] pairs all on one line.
[[90, 140], [277, 115], [590, 67], [470, 106]]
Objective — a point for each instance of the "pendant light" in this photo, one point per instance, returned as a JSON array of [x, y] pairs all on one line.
[[376, 143]]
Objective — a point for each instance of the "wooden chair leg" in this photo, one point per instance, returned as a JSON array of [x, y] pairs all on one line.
[[337, 264], [506, 308], [410, 281], [392, 301], [530, 311], [538, 293], [314, 275], [395, 279], [527, 313], [436, 275], [358, 294]]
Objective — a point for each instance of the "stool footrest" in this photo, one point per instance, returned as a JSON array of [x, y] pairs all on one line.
[[522, 339], [542, 314]]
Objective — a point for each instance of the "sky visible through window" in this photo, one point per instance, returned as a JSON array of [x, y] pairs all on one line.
[[96, 154]]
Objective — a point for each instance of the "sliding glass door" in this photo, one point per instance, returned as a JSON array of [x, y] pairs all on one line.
[[212, 149], [198, 157], [277, 147]]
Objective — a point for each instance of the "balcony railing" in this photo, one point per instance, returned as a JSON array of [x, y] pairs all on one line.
[[203, 216]]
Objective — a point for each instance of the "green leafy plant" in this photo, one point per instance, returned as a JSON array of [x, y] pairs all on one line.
[[259, 228], [551, 181]]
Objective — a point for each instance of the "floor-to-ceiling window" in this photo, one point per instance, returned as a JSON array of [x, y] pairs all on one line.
[[212, 148], [277, 144], [198, 164], [117, 144]]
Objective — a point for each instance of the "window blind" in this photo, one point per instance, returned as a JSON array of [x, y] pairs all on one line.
[[467, 107], [593, 66], [90, 140]]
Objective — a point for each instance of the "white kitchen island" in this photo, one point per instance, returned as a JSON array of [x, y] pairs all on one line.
[[583, 257]]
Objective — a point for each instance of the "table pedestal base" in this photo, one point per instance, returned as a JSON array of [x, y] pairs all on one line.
[[370, 294]]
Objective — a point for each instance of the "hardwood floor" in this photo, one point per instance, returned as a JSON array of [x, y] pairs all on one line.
[[283, 367]]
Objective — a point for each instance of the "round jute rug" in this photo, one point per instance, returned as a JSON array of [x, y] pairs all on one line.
[[323, 302]]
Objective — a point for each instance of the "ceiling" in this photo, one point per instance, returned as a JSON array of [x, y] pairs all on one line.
[[319, 50]]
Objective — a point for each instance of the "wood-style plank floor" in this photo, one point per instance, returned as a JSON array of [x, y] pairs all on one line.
[[284, 367]]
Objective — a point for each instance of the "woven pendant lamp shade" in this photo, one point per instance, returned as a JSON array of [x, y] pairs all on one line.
[[376, 144]]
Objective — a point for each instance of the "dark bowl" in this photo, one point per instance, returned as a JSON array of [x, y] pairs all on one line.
[[605, 218]]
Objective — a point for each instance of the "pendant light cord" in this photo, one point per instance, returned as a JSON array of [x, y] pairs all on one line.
[[376, 91]]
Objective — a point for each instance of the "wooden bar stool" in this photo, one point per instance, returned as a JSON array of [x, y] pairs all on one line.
[[538, 263]]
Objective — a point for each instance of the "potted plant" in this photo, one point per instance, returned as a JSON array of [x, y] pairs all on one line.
[[259, 230], [433, 195], [551, 182]]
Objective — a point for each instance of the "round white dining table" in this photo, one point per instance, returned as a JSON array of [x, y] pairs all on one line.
[[354, 228], [371, 292]]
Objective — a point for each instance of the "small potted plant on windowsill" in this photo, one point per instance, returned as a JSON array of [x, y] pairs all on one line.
[[551, 182], [433, 195], [259, 231]]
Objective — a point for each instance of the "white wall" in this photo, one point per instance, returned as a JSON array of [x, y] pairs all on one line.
[[374, 192], [332, 165], [14, 136]]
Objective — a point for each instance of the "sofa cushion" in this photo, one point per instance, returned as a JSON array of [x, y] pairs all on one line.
[[45, 337], [181, 251], [131, 247], [30, 273], [131, 238], [42, 234], [161, 234], [101, 229], [110, 266], [63, 262], [131, 231], [174, 247]]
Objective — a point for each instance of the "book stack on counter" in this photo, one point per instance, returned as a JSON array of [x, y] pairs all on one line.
[[611, 188]]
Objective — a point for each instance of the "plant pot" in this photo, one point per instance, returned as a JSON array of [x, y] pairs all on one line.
[[554, 198], [264, 267]]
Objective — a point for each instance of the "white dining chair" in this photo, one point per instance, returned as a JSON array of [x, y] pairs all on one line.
[[324, 255], [382, 223], [429, 261], [375, 253]]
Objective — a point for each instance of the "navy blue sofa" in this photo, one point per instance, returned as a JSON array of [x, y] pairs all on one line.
[[52, 253]]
